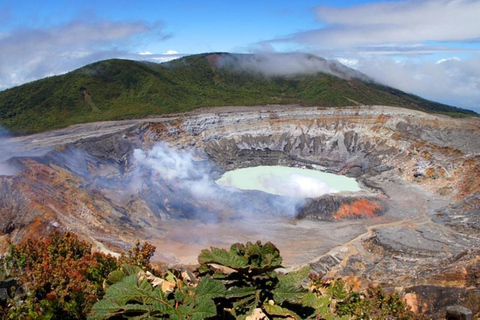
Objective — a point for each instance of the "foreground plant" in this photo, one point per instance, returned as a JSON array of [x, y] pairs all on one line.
[[140, 295], [375, 303], [249, 272], [59, 277]]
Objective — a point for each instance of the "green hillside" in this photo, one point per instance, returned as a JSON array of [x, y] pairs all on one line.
[[123, 89]]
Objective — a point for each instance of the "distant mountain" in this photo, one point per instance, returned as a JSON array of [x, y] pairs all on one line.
[[122, 89]]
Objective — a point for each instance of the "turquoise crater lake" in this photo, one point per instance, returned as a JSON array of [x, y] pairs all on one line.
[[287, 181]]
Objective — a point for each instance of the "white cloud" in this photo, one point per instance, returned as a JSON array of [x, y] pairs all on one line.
[[289, 64], [453, 81], [449, 59], [30, 54], [166, 56], [394, 22], [159, 58], [348, 62]]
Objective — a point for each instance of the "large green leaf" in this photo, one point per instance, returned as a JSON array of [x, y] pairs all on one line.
[[104, 309], [312, 300], [239, 292], [209, 288], [290, 288], [205, 308], [118, 275], [262, 256], [276, 310], [135, 297], [321, 304], [222, 257], [131, 296]]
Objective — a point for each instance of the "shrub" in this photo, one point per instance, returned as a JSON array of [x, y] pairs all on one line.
[[140, 255], [59, 277]]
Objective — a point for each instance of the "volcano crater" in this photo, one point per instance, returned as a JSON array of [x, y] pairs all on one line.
[[154, 179]]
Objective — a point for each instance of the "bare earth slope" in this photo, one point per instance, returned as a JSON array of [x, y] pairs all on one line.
[[415, 225]]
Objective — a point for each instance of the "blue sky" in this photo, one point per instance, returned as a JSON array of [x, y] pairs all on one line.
[[427, 47]]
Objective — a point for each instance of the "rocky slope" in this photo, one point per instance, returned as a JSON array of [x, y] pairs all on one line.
[[415, 224]]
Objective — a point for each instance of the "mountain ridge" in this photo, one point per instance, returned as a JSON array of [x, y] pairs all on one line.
[[124, 89]]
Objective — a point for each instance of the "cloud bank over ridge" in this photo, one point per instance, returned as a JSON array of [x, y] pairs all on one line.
[[29, 54], [453, 81], [424, 47]]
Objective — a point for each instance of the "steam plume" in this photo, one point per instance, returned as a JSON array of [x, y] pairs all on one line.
[[10, 148], [177, 167], [193, 179], [296, 185]]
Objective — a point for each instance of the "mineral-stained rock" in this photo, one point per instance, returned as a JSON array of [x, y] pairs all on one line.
[[436, 300], [338, 207]]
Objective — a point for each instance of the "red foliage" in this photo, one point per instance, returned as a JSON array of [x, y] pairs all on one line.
[[62, 275], [139, 255]]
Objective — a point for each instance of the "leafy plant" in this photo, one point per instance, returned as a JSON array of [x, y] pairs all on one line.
[[375, 303], [140, 255], [249, 274], [59, 277], [324, 297], [137, 296]]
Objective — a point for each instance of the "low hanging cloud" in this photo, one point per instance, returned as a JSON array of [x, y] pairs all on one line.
[[452, 81], [287, 64], [28, 54], [381, 38]]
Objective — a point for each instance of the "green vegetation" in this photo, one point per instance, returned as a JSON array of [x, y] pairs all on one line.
[[59, 277], [122, 89]]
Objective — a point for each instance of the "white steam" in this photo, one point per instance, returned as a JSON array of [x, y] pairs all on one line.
[[10, 148], [287, 64], [7, 169], [177, 167], [295, 185]]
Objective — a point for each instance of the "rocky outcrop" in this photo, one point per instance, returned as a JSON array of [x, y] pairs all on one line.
[[334, 207]]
